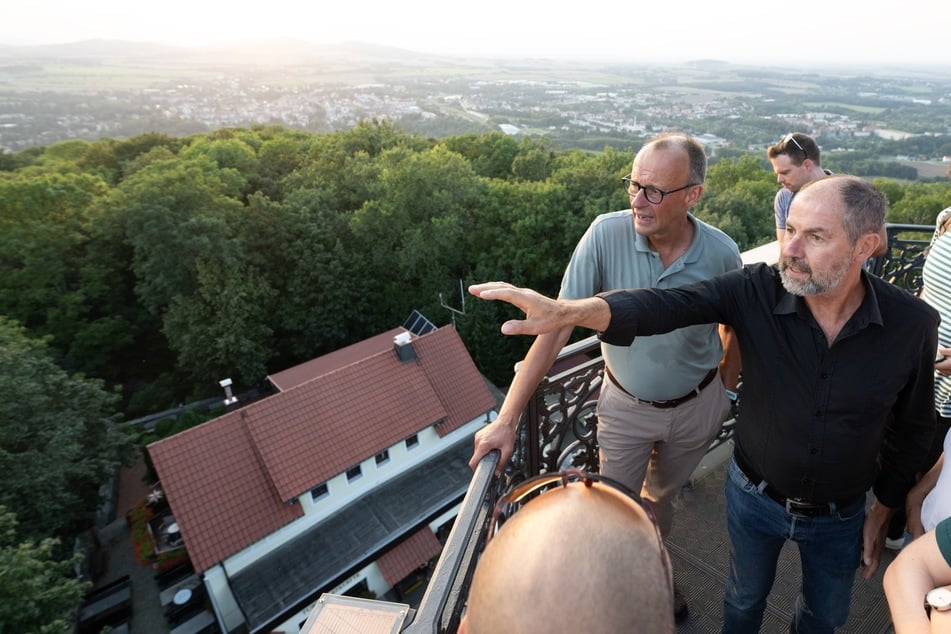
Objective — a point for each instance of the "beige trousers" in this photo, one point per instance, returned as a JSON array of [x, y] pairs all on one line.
[[656, 450]]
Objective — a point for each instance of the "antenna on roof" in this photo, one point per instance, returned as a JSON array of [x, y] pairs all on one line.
[[455, 311]]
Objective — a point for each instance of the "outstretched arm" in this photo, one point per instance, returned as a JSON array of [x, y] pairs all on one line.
[[543, 314]]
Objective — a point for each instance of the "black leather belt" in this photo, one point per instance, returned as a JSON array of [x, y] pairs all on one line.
[[793, 506], [674, 402]]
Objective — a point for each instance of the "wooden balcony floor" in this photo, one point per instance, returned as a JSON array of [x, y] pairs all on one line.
[[699, 550]]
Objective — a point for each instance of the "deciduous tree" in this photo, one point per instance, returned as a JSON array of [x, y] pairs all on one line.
[[58, 440], [37, 591]]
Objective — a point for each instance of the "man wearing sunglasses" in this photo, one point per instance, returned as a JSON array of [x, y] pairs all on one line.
[[795, 160], [664, 399], [584, 556], [838, 374]]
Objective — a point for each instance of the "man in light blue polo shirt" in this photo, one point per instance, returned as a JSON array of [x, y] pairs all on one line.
[[663, 400]]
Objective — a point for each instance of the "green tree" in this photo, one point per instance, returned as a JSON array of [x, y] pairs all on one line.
[[57, 437], [534, 160], [491, 154], [915, 203], [230, 153], [738, 199], [223, 328], [174, 212], [414, 228], [37, 593], [44, 225], [328, 293], [279, 157]]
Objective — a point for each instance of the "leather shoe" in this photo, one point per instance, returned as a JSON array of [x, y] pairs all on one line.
[[680, 605]]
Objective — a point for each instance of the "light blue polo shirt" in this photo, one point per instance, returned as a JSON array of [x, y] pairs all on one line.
[[612, 255]]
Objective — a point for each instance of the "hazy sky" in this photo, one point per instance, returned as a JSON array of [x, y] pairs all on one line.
[[744, 31]]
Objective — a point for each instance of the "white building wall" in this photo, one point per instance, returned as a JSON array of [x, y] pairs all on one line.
[[223, 600]]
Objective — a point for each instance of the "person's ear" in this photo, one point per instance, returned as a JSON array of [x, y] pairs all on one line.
[[867, 246], [693, 195], [462, 625]]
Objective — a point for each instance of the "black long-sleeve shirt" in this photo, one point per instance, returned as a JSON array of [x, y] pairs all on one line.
[[817, 421]]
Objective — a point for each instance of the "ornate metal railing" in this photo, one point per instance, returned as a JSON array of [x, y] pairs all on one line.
[[907, 249], [558, 429]]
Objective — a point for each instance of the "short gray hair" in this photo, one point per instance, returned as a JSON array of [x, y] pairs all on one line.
[[695, 152], [865, 204]]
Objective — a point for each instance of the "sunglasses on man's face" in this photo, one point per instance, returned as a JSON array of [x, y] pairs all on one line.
[[523, 492]]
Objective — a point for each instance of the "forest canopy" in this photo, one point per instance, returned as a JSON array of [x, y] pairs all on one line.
[[161, 265]]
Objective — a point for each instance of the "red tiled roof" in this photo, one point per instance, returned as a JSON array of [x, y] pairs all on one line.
[[221, 497], [459, 385], [227, 480], [335, 421], [294, 376], [409, 555]]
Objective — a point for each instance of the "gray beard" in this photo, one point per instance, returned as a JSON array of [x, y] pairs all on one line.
[[814, 285]]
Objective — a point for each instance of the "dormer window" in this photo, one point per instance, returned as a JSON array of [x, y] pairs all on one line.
[[354, 473]]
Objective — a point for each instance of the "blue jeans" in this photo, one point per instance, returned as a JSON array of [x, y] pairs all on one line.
[[830, 549]]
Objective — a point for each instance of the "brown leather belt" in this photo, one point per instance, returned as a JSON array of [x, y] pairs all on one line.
[[674, 402]]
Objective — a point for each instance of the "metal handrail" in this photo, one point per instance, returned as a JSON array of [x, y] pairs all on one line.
[[444, 600]]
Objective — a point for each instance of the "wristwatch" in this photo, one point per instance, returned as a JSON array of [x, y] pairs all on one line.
[[938, 599]]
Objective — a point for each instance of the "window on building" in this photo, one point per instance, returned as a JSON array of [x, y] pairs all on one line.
[[319, 492], [361, 590], [354, 473], [412, 441], [383, 457]]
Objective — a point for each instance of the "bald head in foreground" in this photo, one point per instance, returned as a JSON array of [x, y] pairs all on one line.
[[574, 559]]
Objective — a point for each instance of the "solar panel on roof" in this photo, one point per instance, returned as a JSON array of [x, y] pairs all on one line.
[[417, 324]]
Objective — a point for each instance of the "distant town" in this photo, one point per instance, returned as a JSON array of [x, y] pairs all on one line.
[[88, 91]]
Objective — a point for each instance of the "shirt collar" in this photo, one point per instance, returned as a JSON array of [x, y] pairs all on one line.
[[690, 255], [867, 313]]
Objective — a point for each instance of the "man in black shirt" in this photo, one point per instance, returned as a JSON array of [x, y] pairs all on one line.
[[838, 395]]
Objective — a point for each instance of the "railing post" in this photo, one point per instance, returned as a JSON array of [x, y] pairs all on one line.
[[532, 420]]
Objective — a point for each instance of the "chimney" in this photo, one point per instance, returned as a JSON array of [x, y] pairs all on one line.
[[403, 343], [230, 399]]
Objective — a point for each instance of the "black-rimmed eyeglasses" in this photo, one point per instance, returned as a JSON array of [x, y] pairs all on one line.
[[525, 491], [792, 137], [654, 195]]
